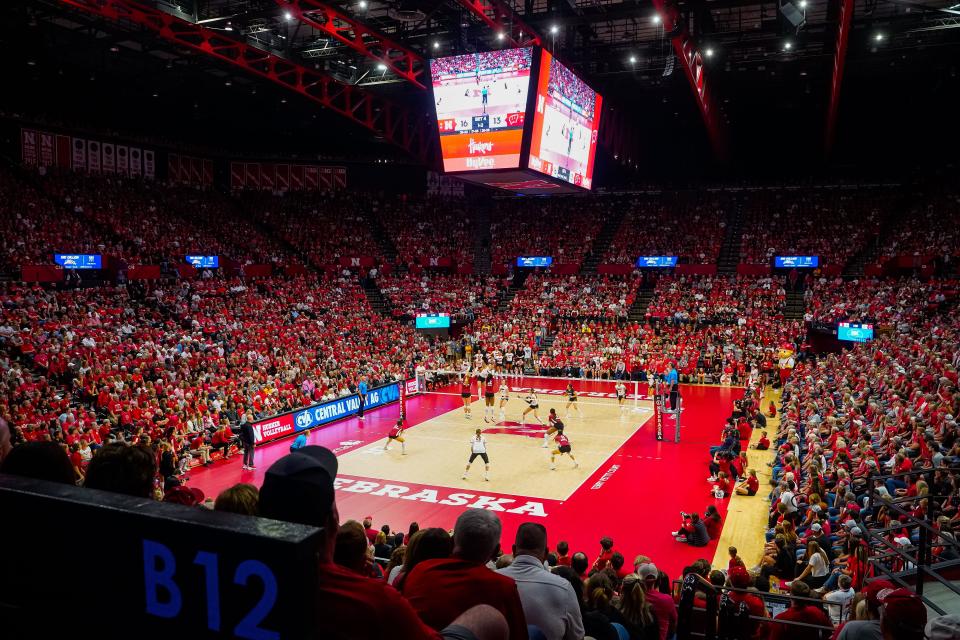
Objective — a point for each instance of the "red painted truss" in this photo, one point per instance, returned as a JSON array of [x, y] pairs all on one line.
[[689, 54], [500, 17], [405, 63], [394, 122], [839, 57]]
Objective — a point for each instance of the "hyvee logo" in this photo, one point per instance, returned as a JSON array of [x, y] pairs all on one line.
[[481, 163], [482, 148]]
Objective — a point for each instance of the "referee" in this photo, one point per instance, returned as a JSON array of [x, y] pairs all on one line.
[[673, 383], [362, 395], [478, 449]]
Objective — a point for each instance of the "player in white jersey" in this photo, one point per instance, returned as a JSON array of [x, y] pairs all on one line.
[[478, 449], [532, 405], [508, 361], [621, 394], [504, 398], [498, 359]]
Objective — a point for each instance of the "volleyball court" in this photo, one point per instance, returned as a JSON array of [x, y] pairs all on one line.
[[518, 430]]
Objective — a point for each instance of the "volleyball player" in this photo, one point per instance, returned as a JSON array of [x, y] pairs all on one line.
[[465, 393], [504, 397], [478, 449], [508, 361], [396, 433], [562, 447], [489, 397], [571, 401], [532, 405], [556, 426], [621, 394], [498, 359]]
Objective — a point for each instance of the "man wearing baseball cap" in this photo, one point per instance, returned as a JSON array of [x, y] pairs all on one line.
[[299, 488], [661, 603], [868, 629], [903, 615]]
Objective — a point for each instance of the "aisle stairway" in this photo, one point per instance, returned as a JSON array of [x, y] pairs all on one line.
[[638, 310], [795, 306], [376, 299], [387, 248], [729, 256], [602, 242], [481, 241]]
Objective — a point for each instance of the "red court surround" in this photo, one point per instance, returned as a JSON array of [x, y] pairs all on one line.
[[634, 497]]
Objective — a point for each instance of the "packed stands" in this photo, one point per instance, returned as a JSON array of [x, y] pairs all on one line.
[[831, 224], [462, 297], [929, 228], [424, 228], [896, 302], [564, 229], [717, 299], [687, 225]]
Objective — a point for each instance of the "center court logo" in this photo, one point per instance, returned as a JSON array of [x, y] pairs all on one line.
[[511, 428], [482, 148]]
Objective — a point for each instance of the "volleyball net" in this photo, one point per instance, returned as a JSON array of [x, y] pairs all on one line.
[[548, 388]]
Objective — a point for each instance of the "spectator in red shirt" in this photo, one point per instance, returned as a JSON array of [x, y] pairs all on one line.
[[750, 486], [464, 579], [369, 530], [563, 548], [799, 611], [606, 553], [299, 488]]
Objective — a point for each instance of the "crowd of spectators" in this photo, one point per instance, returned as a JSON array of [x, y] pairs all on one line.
[[484, 61], [929, 228], [711, 299], [430, 228], [831, 224], [564, 229], [689, 226], [462, 297], [564, 83], [896, 302], [323, 227]]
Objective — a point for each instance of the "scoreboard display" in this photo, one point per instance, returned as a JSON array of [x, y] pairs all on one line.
[[798, 262], [204, 262], [78, 260], [566, 121], [481, 102], [854, 332], [657, 261]]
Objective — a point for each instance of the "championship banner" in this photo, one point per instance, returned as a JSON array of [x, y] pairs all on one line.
[[109, 159], [28, 146], [149, 165], [135, 167], [123, 160], [79, 154], [93, 156], [46, 149]]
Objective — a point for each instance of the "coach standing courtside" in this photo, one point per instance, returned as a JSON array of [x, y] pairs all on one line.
[[362, 394], [247, 440]]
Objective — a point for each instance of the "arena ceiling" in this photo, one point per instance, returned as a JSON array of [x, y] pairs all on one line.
[[770, 75]]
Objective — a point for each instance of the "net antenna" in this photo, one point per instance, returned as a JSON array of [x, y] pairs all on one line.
[[449, 376]]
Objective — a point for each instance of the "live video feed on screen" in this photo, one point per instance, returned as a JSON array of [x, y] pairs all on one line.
[[565, 125], [481, 99]]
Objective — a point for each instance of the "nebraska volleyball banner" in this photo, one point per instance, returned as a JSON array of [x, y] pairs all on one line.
[[323, 413], [43, 149]]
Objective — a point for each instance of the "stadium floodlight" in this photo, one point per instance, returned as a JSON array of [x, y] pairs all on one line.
[[788, 45], [878, 37], [656, 18], [708, 52], [633, 59], [287, 16], [436, 44], [362, 4], [501, 36], [381, 67], [802, 4], [554, 29]]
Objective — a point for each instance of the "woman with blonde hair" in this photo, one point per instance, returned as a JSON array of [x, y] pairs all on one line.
[[634, 612], [818, 566]]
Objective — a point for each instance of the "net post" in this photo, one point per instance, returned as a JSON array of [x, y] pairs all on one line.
[[636, 395], [657, 409]]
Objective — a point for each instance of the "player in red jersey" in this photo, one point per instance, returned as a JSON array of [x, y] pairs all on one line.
[[396, 433], [465, 393], [489, 395], [562, 447], [556, 426]]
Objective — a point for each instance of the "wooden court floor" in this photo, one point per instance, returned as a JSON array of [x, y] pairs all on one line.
[[437, 449]]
